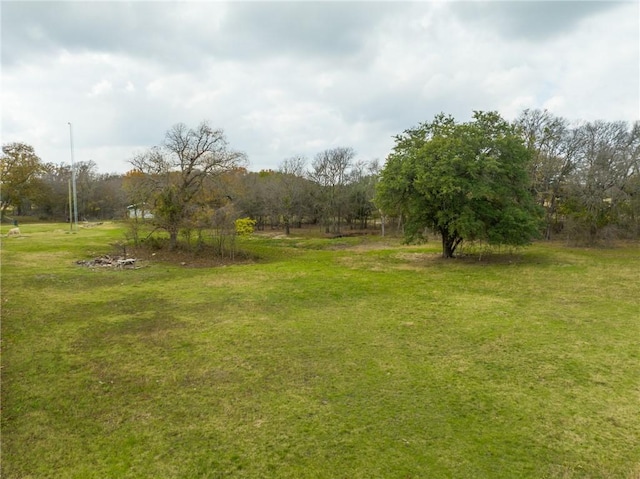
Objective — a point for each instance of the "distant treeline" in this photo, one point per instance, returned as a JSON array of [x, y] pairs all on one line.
[[584, 176]]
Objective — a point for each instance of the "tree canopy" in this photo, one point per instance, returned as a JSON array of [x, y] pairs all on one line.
[[21, 174], [467, 181]]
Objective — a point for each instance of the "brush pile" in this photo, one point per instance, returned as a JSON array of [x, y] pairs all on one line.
[[107, 261]]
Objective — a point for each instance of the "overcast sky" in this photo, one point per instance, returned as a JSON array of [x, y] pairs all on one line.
[[295, 78]]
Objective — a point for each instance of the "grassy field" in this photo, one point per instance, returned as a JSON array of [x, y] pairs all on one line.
[[324, 358]]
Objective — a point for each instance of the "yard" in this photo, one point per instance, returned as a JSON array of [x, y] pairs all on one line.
[[318, 358]]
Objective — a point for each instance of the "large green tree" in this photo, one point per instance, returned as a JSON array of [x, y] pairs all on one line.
[[467, 181], [21, 176]]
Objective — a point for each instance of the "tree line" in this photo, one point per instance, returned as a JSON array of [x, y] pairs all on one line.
[[486, 179], [32, 187], [586, 176]]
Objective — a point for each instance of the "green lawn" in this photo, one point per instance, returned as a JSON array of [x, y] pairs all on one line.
[[325, 358]]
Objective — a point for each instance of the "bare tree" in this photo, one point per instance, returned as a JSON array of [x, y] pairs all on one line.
[[178, 169], [602, 183], [292, 189], [330, 170], [554, 157], [362, 188], [584, 176]]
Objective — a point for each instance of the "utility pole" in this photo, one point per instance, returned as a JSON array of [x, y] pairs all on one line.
[[70, 208], [73, 180]]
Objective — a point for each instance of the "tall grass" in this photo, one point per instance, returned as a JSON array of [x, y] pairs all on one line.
[[348, 357]]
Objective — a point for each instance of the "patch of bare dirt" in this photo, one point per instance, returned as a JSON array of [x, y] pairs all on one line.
[[204, 258], [415, 256]]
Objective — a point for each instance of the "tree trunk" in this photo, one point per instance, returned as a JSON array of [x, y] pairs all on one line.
[[173, 239], [551, 209], [449, 243], [447, 250]]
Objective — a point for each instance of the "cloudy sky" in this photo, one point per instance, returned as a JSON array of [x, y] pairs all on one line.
[[295, 78]]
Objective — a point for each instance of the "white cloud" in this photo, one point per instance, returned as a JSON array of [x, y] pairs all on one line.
[[555, 103], [101, 88]]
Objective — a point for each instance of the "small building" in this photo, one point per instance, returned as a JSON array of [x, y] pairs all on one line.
[[139, 212]]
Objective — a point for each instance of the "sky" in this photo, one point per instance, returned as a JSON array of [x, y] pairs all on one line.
[[284, 79]]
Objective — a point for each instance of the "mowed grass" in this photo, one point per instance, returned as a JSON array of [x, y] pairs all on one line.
[[325, 358]]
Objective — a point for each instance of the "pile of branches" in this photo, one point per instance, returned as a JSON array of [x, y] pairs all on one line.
[[107, 261]]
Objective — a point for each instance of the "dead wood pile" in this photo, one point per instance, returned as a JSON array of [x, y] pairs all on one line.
[[108, 261]]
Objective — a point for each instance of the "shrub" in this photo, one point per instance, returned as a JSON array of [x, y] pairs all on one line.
[[245, 226]]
